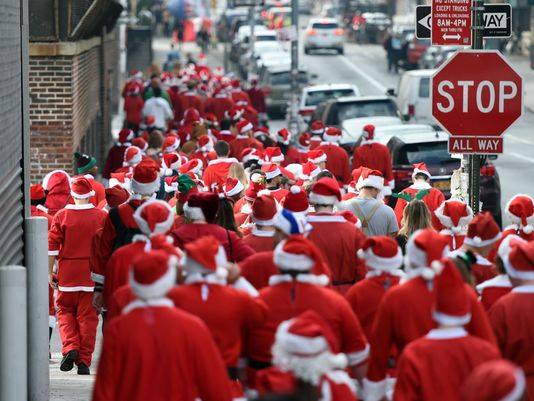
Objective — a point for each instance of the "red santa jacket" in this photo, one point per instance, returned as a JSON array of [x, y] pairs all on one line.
[[375, 156], [513, 322], [259, 268], [257, 99], [217, 172], [364, 296], [241, 143], [287, 297], [455, 240], [239, 96], [227, 312], [159, 353], [41, 211], [434, 367], [483, 269], [70, 238], [492, 290], [433, 200], [114, 159], [236, 249], [218, 106], [337, 161], [339, 241], [100, 190], [133, 106], [278, 194], [405, 314], [176, 102], [260, 240], [192, 100], [294, 155]]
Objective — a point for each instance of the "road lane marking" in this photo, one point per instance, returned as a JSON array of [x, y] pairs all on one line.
[[514, 138], [520, 156], [381, 88]]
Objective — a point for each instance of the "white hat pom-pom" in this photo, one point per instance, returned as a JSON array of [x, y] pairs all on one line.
[[428, 274], [221, 272], [168, 172], [295, 189], [436, 266], [528, 229], [256, 177], [339, 361]]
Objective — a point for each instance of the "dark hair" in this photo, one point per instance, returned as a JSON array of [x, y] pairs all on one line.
[[421, 176], [225, 216], [225, 124], [324, 174], [154, 76], [252, 165], [37, 202], [155, 139], [221, 148], [157, 91]]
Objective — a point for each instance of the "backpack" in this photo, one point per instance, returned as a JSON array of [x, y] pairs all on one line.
[[124, 234]]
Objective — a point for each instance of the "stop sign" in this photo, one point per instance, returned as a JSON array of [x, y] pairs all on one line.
[[476, 93]]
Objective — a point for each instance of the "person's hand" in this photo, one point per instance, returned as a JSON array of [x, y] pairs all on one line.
[[52, 281], [234, 272], [98, 301]]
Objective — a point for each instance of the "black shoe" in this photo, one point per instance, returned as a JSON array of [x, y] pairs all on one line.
[[83, 369], [67, 363]]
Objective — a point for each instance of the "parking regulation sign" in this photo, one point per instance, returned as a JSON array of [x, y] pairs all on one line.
[[451, 22]]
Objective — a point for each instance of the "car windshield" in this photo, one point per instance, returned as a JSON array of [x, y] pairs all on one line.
[[284, 78], [382, 108], [313, 98], [320, 25], [424, 88], [431, 153]]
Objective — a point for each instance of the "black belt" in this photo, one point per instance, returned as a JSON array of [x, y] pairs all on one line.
[[343, 282], [258, 365], [233, 373]]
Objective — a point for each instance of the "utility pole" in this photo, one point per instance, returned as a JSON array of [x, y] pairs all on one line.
[[293, 121], [474, 161], [252, 22]]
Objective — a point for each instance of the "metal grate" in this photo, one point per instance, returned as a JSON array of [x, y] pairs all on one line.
[[11, 221]]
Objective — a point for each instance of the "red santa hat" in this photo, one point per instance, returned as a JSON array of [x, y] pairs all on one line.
[[296, 253], [368, 132], [250, 154], [482, 231], [520, 211], [125, 136], [304, 142], [370, 178], [291, 223], [192, 166], [206, 256], [255, 186], [244, 126], [423, 248], [452, 306], [261, 131], [37, 192], [332, 134], [317, 127], [351, 188], [304, 346], [273, 155], [145, 179], [132, 156], [234, 114], [271, 170], [116, 195], [140, 143], [381, 253], [283, 136], [205, 144], [170, 144], [150, 120], [420, 168], [122, 179], [309, 171], [296, 200], [316, 156], [263, 210], [202, 206], [171, 162], [153, 274], [519, 261], [496, 380], [81, 188], [233, 187], [154, 217], [350, 217], [454, 215], [56, 179], [325, 192], [191, 115]]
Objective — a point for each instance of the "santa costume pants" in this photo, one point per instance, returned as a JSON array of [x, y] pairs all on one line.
[[51, 308], [78, 321]]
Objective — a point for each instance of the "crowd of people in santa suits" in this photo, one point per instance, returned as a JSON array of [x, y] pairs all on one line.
[[231, 262]]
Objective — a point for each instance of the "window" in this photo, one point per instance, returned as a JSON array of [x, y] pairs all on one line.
[[313, 98], [382, 108], [424, 88], [431, 153], [284, 78], [320, 25]]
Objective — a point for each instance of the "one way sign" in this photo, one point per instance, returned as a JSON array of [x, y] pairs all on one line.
[[497, 21]]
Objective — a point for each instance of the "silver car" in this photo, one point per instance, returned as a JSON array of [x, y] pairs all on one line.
[[324, 33]]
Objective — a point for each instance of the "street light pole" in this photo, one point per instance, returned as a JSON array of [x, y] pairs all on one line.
[[293, 121], [252, 22]]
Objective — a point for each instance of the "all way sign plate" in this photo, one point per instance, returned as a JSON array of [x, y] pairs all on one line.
[[451, 22], [476, 145], [497, 21]]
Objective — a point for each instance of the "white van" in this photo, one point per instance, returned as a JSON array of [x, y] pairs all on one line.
[[413, 96]]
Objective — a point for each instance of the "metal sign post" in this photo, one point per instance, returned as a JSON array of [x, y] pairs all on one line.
[[252, 22], [293, 121]]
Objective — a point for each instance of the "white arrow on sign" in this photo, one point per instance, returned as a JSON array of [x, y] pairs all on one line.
[[426, 21], [457, 36]]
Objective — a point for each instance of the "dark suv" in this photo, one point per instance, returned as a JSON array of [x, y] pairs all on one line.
[[433, 150]]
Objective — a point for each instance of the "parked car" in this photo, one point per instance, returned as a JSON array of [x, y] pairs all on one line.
[[413, 96], [434, 56], [242, 38], [260, 48], [432, 149], [324, 33], [375, 26], [276, 84], [384, 133], [226, 20], [353, 127], [311, 96]]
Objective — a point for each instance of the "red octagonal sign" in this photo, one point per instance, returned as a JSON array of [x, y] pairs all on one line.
[[476, 93]]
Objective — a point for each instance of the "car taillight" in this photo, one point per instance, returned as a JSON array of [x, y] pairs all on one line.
[[338, 32], [401, 175], [311, 32], [411, 110], [487, 171], [266, 90]]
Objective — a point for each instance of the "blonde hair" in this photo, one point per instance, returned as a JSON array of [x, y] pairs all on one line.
[[415, 216], [237, 171]]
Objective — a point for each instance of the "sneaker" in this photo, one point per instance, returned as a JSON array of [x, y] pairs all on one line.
[[67, 363], [83, 369]]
